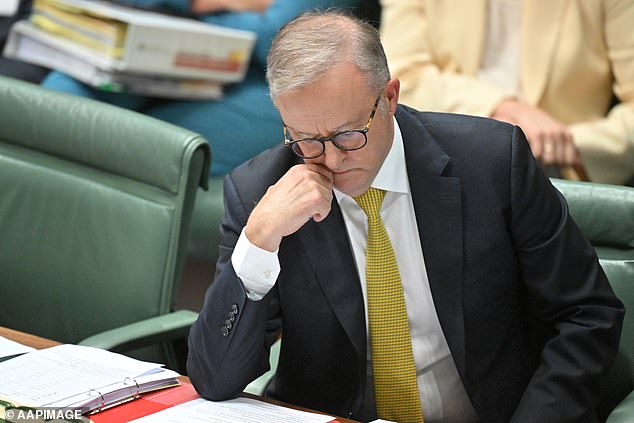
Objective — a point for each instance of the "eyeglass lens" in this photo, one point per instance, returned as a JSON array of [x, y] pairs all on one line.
[[349, 140]]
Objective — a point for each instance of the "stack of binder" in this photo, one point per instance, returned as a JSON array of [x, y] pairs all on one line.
[[73, 377], [121, 49]]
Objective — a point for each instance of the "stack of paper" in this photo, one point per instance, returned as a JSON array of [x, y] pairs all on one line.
[[122, 49], [9, 348], [78, 377], [239, 410], [103, 35]]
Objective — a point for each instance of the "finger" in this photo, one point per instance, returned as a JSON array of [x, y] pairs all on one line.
[[548, 151], [571, 151], [323, 209], [321, 170], [306, 174], [562, 152], [550, 143], [319, 216], [558, 143], [560, 147], [536, 141]]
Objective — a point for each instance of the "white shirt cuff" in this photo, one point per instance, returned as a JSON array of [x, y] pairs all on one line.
[[258, 269]]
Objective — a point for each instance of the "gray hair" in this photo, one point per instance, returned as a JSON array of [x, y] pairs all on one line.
[[315, 42]]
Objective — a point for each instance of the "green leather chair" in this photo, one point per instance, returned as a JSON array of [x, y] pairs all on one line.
[[205, 234], [95, 212], [202, 249], [605, 214]]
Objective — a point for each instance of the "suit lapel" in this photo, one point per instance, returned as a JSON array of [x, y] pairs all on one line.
[[541, 29], [438, 209], [329, 252]]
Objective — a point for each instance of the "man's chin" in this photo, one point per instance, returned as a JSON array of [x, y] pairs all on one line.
[[350, 184]]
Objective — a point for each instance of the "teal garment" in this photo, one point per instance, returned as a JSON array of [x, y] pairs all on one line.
[[237, 127], [244, 122]]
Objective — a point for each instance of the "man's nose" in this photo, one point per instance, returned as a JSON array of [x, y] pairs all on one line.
[[333, 156]]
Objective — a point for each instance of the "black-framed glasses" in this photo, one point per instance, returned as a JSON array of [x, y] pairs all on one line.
[[311, 148]]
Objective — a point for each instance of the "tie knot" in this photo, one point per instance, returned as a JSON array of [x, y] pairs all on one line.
[[370, 201]]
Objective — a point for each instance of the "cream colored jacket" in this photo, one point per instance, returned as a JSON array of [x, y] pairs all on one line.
[[575, 55]]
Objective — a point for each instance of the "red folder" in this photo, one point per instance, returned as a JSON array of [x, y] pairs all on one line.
[[147, 404]]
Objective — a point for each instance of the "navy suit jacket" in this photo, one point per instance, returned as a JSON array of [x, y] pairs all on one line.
[[528, 314]]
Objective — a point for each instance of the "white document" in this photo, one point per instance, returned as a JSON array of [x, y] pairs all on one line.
[[73, 375], [239, 410], [8, 7], [9, 347]]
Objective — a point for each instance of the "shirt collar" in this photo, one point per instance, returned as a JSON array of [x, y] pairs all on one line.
[[393, 173]]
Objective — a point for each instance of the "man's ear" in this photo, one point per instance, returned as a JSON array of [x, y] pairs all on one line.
[[392, 89]]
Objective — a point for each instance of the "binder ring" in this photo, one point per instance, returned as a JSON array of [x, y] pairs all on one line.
[[138, 389], [103, 400]]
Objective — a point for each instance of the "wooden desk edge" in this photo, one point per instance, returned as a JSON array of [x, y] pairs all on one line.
[[34, 341]]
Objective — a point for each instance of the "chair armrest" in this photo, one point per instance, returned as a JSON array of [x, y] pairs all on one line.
[[146, 332], [623, 412], [258, 386]]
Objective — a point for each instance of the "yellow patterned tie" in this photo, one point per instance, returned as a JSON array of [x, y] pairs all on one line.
[[395, 385]]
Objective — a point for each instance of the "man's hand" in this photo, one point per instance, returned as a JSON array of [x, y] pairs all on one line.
[[304, 192], [551, 141]]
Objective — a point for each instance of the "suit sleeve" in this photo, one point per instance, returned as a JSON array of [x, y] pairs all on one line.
[[569, 296], [425, 85], [224, 354]]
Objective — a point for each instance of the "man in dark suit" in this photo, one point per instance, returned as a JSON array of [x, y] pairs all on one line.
[[507, 312]]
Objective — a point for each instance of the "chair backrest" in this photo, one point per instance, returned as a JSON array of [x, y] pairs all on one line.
[[95, 209], [605, 214], [202, 250]]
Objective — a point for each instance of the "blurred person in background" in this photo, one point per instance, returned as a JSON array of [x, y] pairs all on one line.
[[562, 70], [244, 121]]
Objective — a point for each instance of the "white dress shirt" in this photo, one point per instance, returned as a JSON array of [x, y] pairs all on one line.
[[442, 394]]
